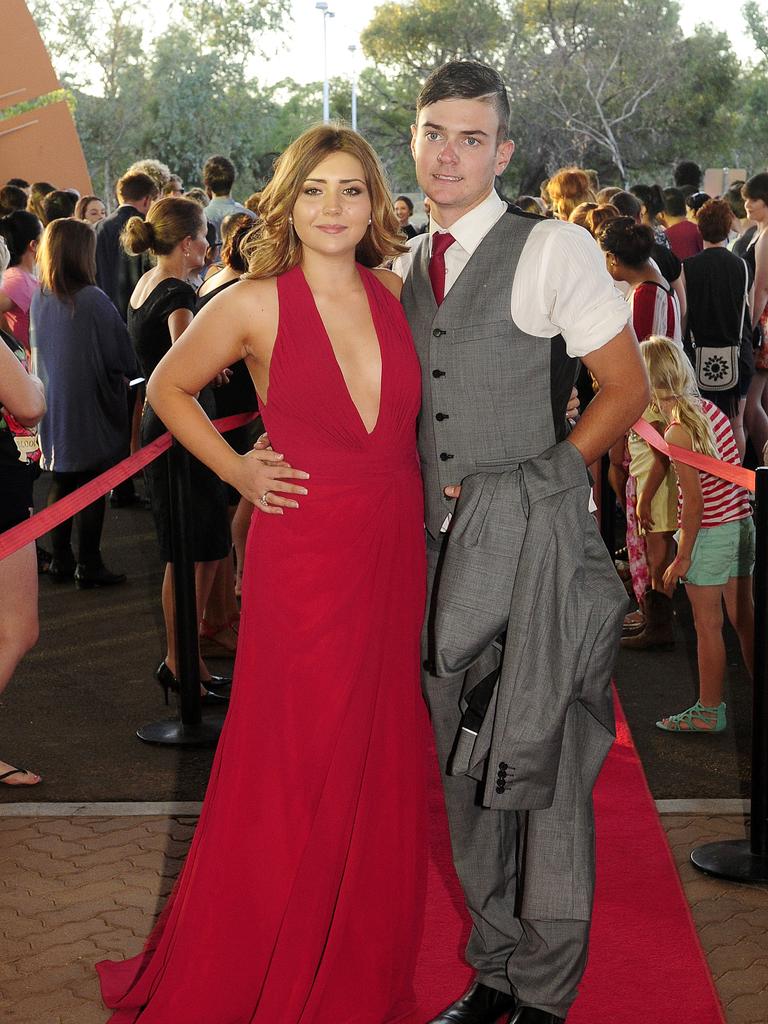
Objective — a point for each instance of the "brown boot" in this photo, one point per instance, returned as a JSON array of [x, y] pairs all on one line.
[[658, 627], [635, 622]]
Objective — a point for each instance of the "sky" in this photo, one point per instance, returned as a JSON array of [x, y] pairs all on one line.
[[302, 56]]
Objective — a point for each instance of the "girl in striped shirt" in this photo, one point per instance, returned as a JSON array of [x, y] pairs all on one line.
[[716, 536]]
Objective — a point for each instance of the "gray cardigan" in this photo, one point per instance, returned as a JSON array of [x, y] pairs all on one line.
[[83, 355]]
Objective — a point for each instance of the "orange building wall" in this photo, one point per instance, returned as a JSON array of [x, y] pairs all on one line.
[[41, 145]]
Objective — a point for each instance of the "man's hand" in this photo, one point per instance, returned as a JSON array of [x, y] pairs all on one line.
[[262, 479], [573, 408], [224, 377]]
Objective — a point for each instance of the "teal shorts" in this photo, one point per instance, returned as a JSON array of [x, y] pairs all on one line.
[[722, 552]]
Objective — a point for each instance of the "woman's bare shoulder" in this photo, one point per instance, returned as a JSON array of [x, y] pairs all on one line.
[[390, 280]]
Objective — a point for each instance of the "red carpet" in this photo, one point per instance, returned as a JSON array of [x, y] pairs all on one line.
[[646, 964]]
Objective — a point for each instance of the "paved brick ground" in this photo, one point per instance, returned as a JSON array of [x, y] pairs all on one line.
[[77, 890]]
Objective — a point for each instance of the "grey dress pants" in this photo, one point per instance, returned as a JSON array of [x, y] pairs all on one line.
[[541, 962]]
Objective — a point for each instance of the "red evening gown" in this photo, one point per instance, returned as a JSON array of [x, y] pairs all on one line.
[[301, 900]]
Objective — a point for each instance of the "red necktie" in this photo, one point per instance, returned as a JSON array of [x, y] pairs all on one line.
[[441, 240]]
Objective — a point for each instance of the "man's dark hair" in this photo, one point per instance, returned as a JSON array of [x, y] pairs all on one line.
[[219, 175], [58, 204], [13, 198], [756, 187], [688, 173], [674, 202], [132, 188], [627, 204], [467, 80], [18, 182]]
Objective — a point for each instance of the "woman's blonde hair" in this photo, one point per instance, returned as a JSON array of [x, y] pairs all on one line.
[[568, 188], [273, 247], [672, 376], [169, 221]]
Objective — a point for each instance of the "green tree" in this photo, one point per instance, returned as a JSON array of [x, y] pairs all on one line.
[[416, 36], [756, 19], [233, 28], [99, 47]]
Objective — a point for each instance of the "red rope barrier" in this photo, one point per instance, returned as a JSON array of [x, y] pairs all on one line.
[[705, 463], [24, 533]]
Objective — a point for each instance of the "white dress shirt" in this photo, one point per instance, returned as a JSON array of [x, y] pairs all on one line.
[[561, 285]]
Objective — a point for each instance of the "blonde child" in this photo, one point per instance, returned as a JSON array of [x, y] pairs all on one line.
[[716, 536]]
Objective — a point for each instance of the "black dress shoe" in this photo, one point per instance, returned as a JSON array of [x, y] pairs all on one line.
[[86, 579], [61, 572], [480, 1004], [530, 1015]]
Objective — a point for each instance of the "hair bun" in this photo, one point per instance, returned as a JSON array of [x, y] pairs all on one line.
[[138, 236]]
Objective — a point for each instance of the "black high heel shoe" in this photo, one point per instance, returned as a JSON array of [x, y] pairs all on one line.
[[211, 697]]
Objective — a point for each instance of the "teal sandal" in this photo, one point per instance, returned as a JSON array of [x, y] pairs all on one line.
[[699, 718]]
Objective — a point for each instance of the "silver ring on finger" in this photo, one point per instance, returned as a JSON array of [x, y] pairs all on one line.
[[263, 499]]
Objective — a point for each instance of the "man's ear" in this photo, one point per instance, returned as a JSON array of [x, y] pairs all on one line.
[[504, 153], [413, 141]]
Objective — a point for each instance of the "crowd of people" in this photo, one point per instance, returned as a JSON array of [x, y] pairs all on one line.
[[313, 294], [694, 270]]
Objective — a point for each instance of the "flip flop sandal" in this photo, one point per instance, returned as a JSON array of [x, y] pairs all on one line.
[[18, 771]]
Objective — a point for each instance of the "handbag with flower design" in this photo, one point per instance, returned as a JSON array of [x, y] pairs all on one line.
[[717, 366]]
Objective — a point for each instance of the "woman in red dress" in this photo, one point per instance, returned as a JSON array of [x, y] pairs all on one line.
[[300, 901]]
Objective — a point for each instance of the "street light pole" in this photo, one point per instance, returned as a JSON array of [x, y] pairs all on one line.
[[353, 50], [321, 5]]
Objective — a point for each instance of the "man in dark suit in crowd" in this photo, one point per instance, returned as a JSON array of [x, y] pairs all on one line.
[[117, 273]]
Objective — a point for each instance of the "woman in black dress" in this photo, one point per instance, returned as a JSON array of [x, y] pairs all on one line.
[[161, 307], [219, 626], [404, 212]]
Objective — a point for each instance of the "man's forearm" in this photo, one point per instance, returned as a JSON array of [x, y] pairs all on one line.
[[607, 418]]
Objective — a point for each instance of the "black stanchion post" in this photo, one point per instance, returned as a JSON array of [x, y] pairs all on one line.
[[607, 508], [190, 730], [741, 860]]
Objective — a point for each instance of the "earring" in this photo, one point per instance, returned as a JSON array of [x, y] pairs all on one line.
[[290, 219], [369, 220]]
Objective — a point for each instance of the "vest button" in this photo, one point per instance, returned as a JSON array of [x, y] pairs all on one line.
[[438, 373], [440, 416], [437, 333], [445, 456]]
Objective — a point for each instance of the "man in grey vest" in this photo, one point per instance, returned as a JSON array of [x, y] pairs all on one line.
[[501, 304]]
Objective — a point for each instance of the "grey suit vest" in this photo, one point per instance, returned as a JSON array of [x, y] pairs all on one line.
[[492, 395]]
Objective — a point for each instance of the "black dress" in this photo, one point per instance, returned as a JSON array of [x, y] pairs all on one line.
[[148, 327], [239, 395]]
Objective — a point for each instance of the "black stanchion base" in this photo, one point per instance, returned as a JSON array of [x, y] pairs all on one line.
[[173, 733], [732, 860]]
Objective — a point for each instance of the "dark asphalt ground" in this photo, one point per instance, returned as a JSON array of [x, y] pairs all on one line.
[[73, 707]]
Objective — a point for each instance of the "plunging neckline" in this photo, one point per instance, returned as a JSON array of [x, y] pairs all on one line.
[[332, 351]]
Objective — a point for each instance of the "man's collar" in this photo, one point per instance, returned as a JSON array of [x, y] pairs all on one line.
[[471, 229]]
